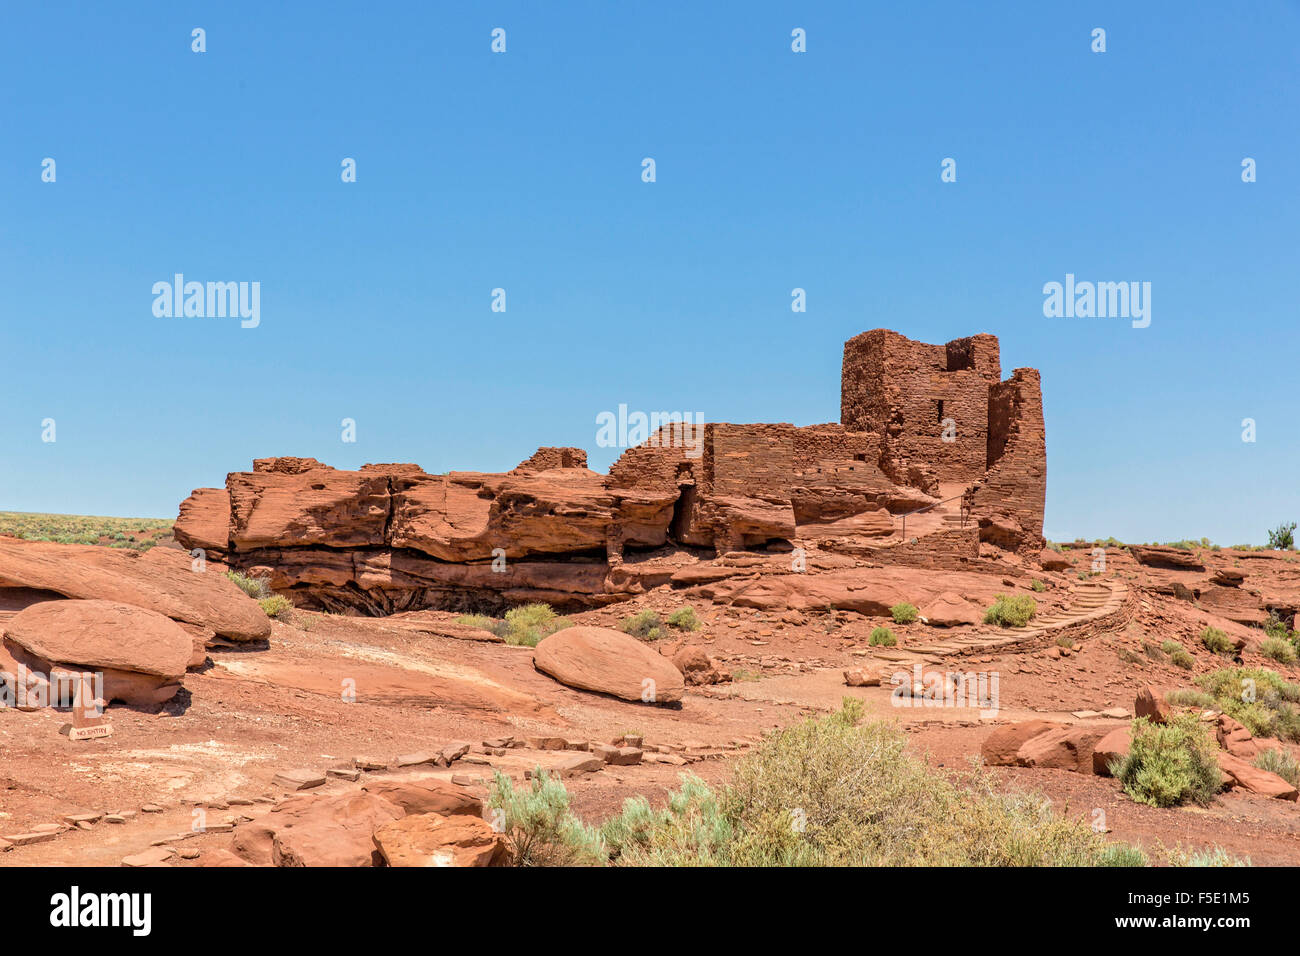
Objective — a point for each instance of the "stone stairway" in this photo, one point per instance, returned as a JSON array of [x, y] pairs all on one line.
[[1092, 601]]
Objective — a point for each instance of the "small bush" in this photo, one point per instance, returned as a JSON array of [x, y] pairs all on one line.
[[1189, 697], [1217, 641], [883, 637], [1279, 649], [691, 831], [256, 588], [1282, 538], [644, 624], [1121, 854], [529, 624], [1066, 642], [481, 621], [539, 827], [1011, 611], [1178, 654], [684, 619], [1038, 585], [277, 606], [1170, 764], [1276, 627], [1280, 762], [904, 613]]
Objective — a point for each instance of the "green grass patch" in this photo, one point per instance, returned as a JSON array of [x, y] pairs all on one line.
[[684, 619], [1217, 641], [904, 613], [644, 624], [277, 606], [883, 637], [1169, 764]]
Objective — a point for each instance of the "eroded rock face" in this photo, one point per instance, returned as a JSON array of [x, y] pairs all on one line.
[[1158, 556], [142, 654], [431, 839], [607, 661], [389, 537], [161, 580]]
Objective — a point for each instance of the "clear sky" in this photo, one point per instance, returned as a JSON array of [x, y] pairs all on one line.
[[522, 170]]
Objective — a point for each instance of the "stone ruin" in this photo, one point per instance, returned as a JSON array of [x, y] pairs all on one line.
[[934, 456]]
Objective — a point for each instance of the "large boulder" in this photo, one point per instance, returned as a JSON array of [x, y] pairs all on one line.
[[141, 653], [1112, 747], [606, 661], [698, 667], [162, 579], [950, 610], [1254, 780], [431, 839], [329, 831], [1159, 556], [1050, 560], [1044, 745]]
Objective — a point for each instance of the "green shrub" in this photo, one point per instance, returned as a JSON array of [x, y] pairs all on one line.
[[481, 621], [684, 619], [1214, 856], [1280, 762], [529, 624], [538, 825], [1064, 641], [256, 588], [828, 791], [1279, 649], [1038, 585], [276, 606], [1217, 641], [883, 637], [1282, 538], [1276, 627], [904, 613], [644, 624], [1257, 697], [1011, 611], [691, 831], [1169, 764], [1121, 854]]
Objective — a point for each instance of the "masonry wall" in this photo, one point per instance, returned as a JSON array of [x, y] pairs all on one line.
[[906, 390], [748, 460], [1016, 484]]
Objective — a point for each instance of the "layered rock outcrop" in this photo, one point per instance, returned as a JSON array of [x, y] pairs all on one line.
[[917, 422]]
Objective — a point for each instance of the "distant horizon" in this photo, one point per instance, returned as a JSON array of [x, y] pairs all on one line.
[[469, 254]]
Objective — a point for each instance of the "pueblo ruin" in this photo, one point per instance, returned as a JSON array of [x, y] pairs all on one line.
[[935, 458]]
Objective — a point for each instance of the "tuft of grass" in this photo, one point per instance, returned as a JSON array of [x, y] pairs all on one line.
[[256, 588], [1278, 761], [1178, 654], [481, 621], [277, 606], [644, 624], [1011, 611], [1190, 697], [1066, 642], [530, 624], [538, 825], [904, 613], [1038, 585], [1213, 856], [1279, 649], [684, 619], [883, 637], [1169, 764], [1217, 641]]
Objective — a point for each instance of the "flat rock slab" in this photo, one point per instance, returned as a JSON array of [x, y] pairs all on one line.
[[298, 779], [102, 634], [607, 661]]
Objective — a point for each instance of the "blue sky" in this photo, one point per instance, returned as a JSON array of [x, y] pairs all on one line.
[[522, 171]]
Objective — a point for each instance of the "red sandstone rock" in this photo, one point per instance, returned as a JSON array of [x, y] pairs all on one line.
[[609, 662], [426, 795], [161, 580], [1161, 557], [1229, 577], [1051, 560], [142, 654], [1045, 745], [950, 610], [1112, 747], [1253, 779], [329, 831], [1235, 738], [1150, 703], [697, 667], [431, 839]]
